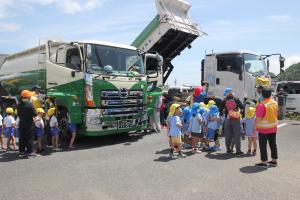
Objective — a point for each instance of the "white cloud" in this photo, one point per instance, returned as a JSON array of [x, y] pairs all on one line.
[[4, 4], [279, 18], [9, 27], [70, 6]]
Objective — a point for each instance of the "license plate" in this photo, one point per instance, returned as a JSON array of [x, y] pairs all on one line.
[[126, 124]]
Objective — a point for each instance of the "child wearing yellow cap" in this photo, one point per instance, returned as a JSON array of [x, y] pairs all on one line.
[[1, 142], [54, 131], [9, 124], [39, 127], [250, 131]]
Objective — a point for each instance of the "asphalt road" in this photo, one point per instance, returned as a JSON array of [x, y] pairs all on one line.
[[138, 167]]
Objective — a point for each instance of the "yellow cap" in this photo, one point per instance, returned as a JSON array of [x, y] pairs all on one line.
[[9, 110], [40, 110], [173, 108], [250, 112], [51, 111], [202, 104], [263, 81], [210, 103]]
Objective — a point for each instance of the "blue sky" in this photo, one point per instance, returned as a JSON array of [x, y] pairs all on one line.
[[260, 26]]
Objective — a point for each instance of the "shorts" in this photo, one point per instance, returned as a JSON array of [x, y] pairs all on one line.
[[54, 131], [199, 135], [186, 133], [255, 135], [211, 134], [176, 140], [39, 132], [72, 127], [9, 132]]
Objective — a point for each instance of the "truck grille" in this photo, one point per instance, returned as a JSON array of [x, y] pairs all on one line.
[[121, 102]]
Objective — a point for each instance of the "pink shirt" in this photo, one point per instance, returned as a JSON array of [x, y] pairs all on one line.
[[260, 112]]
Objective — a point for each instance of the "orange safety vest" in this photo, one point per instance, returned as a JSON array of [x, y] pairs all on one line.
[[270, 120]]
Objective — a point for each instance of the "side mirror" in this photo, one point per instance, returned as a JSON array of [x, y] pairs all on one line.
[[281, 62], [73, 74], [241, 76]]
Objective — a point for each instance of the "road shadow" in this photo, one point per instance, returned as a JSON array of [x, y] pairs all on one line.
[[163, 159], [8, 156], [84, 143], [252, 169], [167, 157]]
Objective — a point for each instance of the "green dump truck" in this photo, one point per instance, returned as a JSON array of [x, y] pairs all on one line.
[[101, 86]]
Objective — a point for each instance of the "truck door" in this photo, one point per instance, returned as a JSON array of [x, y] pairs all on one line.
[[228, 74], [63, 67], [64, 77]]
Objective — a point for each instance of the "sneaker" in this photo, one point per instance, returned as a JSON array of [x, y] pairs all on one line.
[[254, 152], [249, 152], [239, 153], [174, 156], [57, 149], [264, 165], [32, 155], [217, 148], [196, 151], [229, 151], [22, 154], [171, 152], [272, 163], [182, 155]]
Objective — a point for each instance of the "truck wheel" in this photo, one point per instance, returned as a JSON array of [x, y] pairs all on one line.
[[63, 123]]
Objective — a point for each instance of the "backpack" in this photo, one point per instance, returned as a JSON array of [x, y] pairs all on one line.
[[232, 109]]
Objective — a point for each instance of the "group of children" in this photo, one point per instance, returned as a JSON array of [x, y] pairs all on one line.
[[200, 124], [9, 126]]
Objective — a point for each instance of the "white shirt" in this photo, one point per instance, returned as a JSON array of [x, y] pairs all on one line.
[[17, 122], [158, 102], [39, 123], [9, 121], [1, 118], [53, 121]]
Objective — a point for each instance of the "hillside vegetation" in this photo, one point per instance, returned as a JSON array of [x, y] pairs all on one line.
[[291, 74]]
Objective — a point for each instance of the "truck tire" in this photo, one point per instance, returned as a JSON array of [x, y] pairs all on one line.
[[63, 123]]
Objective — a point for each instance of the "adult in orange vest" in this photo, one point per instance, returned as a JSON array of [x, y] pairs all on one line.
[[266, 126]]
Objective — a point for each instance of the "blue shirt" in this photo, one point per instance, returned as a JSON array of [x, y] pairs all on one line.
[[185, 128], [174, 130], [249, 126], [195, 127], [213, 124]]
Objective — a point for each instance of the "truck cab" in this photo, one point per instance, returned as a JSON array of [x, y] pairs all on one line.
[[240, 70], [292, 88]]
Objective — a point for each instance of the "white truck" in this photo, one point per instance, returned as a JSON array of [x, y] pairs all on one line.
[[292, 88], [241, 70]]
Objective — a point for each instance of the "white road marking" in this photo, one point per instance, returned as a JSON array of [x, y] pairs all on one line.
[[280, 125]]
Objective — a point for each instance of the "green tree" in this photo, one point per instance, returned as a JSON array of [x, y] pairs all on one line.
[[292, 73]]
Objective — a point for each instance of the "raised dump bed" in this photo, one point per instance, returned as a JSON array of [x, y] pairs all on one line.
[[169, 33]]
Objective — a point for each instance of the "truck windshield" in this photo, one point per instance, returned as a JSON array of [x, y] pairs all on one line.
[[289, 87], [254, 64], [104, 59]]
